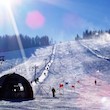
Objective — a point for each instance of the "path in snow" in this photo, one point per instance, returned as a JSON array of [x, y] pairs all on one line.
[[44, 74], [97, 54]]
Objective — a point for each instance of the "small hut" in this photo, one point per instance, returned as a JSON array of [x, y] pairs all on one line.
[[15, 87]]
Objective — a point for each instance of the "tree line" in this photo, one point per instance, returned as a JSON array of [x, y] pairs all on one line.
[[10, 43], [88, 34]]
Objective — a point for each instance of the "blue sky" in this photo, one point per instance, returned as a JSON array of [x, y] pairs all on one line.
[[60, 19]]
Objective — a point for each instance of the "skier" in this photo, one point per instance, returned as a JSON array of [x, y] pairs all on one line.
[[95, 82], [36, 80], [53, 92]]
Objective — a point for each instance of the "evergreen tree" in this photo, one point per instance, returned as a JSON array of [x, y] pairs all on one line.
[[9, 43]]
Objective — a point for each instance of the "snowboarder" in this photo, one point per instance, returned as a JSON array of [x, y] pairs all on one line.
[[95, 82], [53, 92]]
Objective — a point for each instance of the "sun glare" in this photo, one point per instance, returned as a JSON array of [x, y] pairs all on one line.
[[7, 3]]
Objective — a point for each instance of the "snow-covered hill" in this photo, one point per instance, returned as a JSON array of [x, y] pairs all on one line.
[[75, 65]]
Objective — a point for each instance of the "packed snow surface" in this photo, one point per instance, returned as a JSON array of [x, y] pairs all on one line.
[[71, 68]]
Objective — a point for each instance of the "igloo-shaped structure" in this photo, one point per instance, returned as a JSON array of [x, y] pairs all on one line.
[[15, 87]]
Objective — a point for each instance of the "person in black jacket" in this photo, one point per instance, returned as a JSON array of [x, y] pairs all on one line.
[[53, 92], [95, 82]]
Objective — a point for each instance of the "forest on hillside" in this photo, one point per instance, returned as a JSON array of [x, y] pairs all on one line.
[[88, 34], [9, 43]]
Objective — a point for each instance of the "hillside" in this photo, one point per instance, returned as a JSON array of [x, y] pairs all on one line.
[[75, 65]]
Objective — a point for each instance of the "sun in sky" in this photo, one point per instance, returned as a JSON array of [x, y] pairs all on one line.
[[10, 2], [5, 7]]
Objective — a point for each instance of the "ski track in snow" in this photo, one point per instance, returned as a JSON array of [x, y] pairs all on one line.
[[44, 74], [68, 67], [95, 53]]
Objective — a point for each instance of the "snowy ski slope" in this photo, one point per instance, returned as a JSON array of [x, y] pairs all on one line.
[[71, 68]]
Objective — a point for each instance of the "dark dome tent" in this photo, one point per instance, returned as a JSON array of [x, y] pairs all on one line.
[[15, 87]]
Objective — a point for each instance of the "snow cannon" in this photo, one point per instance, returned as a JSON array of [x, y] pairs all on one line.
[[15, 87]]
